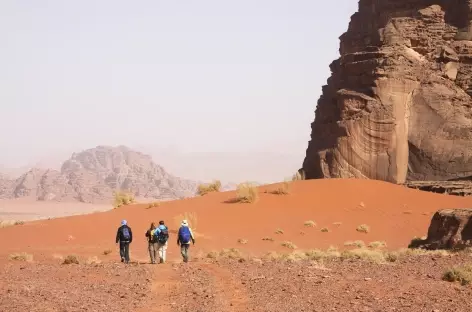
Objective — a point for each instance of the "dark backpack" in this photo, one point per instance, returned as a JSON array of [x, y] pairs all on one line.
[[163, 236], [184, 235], [125, 233]]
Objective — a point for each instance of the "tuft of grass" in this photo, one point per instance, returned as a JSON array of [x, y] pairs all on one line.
[[242, 241], [231, 253], [279, 231], [283, 189], [289, 245], [270, 239], [19, 223], [6, 223], [325, 230], [375, 256], [107, 252], [92, 260], [377, 245], [309, 223], [204, 189], [122, 199], [247, 193], [23, 256], [191, 218], [461, 274], [357, 243], [71, 259], [154, 204], [363, 228]]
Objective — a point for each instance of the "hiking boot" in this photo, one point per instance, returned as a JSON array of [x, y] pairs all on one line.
[[122, 259]]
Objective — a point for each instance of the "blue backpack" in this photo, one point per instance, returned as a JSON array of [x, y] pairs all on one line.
[[125, 233], [184, 235]]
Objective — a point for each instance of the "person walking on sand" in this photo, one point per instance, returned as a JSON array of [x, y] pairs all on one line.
[[162, 234], [152, 243], [184, 238], [124, 237]]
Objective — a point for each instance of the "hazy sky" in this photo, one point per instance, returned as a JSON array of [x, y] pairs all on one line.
[[189, 81]]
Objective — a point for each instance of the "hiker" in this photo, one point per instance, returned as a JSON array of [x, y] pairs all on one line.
[[184, 238], [124, 236], [162, 234], [152, 243]]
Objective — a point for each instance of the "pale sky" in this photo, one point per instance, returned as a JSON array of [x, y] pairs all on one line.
[[191, 82]]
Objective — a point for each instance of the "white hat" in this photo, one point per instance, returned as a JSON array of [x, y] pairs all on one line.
[[184, 222]]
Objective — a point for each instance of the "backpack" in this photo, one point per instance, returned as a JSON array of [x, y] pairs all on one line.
[[163, 236], [125, 233], [184, 235]]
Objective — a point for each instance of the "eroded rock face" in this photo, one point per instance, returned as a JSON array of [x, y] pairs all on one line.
[[397, 106], [449, 229]]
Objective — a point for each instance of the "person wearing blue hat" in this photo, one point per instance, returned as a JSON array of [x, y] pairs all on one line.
[[124, 236]]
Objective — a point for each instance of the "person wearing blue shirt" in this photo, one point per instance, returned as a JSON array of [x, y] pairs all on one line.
[[162, 234]]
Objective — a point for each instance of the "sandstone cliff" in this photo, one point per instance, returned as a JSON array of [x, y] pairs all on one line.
[[397, 106], [93, 175]]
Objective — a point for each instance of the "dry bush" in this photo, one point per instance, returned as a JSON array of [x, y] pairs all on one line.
[[363, 228], [279, 231], [309, 223], [375, 256], [377, 245], [154, 204], [289, 245], [191, 218], [231, 253], [461, 274], [122, 199], [71, 259], [298, 176], [247, 193], [93, 260], [284, 189], [6, 223], [19, 223], [107, 252], [268, 239], [242, 241], [23, 256], [325, 230], [357, 243], [203, 189]]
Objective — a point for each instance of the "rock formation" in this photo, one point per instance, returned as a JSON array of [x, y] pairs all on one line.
[[449, 229], [398, 106], [93, 176]]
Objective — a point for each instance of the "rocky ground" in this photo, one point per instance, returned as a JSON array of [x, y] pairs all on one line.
[[412, 283]]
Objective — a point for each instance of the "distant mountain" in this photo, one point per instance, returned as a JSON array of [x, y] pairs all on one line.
[[92, 176]]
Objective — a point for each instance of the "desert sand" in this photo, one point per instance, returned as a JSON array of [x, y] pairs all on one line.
[[394, 214]]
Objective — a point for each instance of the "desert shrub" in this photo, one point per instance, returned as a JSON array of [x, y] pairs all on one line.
[[242, 241], [71, 259], [325, 230], [191, 218], [19, 223], [279, 231], [231, 253], [247, 193], [107, 252], [289, 245], [364, 254], [23, 256], [283, 189], [268, 239], [5, 223], [298, 176], [208, 188], [357, 243], [154, 204], [363, 228], [122, 199], [309, 223], [461, 274], [377, 245]]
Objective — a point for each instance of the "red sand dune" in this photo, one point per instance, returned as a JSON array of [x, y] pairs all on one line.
[[394, 213]]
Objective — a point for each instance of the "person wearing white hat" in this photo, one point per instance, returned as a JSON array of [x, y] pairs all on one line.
[[183, 239]]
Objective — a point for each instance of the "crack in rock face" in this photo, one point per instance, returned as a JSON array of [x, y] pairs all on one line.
[[397, 106]]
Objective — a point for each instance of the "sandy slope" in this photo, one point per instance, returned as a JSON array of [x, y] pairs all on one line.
[[394, 213]]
